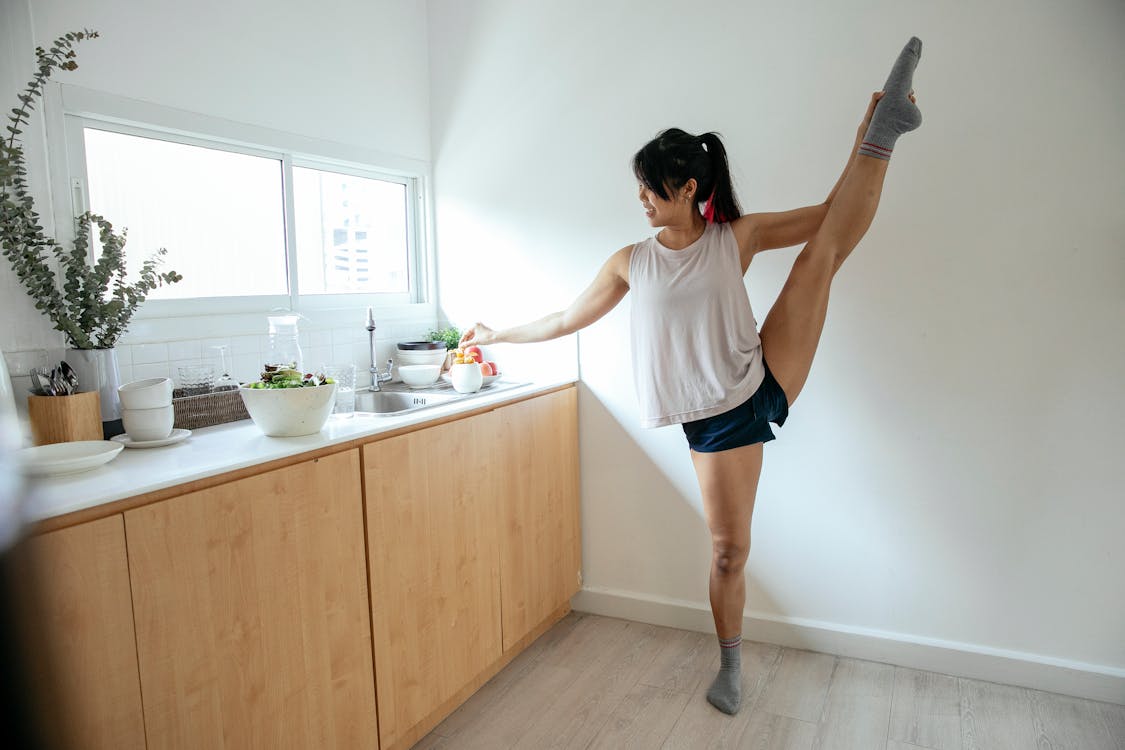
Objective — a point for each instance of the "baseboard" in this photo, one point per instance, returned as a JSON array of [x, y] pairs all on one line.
[[1091, 681]]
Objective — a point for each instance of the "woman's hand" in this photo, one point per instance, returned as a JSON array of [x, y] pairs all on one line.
[[862, 131], [866, 122], [478, 335]]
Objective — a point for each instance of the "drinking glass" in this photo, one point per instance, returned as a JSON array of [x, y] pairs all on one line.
[[225, 381], [196, 380], [344, 375]]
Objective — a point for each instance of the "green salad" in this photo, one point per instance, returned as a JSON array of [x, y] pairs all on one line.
[[280, 376]]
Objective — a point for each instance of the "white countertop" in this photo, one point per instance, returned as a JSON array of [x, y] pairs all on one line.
[[223, 448]]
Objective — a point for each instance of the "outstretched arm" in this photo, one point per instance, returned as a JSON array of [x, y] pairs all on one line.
[[771, 230], [603, 294]]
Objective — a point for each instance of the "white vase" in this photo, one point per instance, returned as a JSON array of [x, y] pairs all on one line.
[[97, 371], [9, 422]]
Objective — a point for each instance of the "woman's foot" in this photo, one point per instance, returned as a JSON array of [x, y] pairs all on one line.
[[725, 693], [895, 113]]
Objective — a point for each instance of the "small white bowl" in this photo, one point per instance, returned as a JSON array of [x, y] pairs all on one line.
[[289, 412], [151, 393], [417, 376], [149, 424]]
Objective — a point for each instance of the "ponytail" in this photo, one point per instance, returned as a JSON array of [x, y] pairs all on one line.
[[668, 161], [722, 205]]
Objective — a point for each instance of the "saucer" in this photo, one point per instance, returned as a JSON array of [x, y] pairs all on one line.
[[176, 436]]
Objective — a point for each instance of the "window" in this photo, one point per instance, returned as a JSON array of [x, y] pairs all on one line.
[[249, 225], [356, 219], [219, 214]]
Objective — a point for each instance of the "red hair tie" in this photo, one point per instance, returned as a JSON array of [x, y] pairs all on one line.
[[709, 209]]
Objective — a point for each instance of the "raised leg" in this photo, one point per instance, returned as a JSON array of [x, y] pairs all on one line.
[[791, 331], [729, 484]]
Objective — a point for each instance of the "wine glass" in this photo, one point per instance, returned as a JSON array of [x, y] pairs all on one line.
[[225, 381]]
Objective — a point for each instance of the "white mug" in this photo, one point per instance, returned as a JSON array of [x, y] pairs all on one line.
[[467, 378], [149, 424]]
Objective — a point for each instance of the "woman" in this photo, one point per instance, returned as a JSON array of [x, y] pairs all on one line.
[[688, 289]]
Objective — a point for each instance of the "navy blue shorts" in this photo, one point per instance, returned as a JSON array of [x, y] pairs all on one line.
[[745, 424]]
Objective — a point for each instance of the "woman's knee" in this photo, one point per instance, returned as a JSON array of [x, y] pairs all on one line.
[[729, 557]]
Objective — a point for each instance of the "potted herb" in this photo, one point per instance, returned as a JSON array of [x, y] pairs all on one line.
[[451, 337], [89, 302]]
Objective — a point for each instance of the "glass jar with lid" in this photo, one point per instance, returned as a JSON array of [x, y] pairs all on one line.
[[284, 349]]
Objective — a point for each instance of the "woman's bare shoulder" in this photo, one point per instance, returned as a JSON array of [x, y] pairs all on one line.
[[619, 261]]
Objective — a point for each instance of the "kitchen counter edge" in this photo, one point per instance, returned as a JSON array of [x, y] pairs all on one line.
[[224, 453]]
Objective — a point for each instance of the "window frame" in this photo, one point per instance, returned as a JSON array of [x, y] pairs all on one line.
[[74, 108]]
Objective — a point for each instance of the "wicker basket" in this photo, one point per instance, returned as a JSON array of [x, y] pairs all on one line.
[[220, 407]]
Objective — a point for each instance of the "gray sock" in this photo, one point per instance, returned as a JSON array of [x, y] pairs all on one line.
[[895, 114], [726, 691]]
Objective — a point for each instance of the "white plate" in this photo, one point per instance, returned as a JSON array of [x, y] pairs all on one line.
[[66, 458], [177, 435]]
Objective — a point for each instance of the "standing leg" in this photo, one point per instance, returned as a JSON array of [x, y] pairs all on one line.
[[791, 331], [729, 483]]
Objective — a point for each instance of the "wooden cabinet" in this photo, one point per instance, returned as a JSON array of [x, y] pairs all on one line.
[[86, 620], [251, 610], [256, 614], [432, 538], [540, 536]]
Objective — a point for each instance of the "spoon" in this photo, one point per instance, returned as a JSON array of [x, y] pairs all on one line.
[[42, 383], [70, 376], [57, 383]]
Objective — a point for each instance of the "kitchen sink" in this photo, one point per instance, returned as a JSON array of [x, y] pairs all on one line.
[[396, 399]]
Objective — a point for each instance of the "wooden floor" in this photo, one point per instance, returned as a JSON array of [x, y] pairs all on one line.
[[600, 682]]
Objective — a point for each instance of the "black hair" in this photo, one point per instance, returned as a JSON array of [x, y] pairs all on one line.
[[674, 156]]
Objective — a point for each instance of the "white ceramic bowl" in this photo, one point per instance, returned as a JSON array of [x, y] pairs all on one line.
[[289, 412], [151, 393], [432, 357], [417, 376], [149, 424]]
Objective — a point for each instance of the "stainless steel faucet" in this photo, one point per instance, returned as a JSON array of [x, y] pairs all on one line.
[[376, 376]]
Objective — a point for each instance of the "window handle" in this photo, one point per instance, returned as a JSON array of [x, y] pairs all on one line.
[[78, 195]]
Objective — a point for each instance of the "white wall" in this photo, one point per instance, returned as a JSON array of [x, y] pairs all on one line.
[[951, 471], [351, 73]]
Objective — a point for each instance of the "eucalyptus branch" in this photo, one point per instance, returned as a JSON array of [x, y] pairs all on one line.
[[86, 312]]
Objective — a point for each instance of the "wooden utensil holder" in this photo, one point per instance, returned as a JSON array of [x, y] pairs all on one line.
[[62, 419]]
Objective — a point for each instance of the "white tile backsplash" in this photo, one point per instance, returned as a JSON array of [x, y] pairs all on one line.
[[185, 350], [246, 345], [315, 356], [146, 354], [151, 370], [137, 361]]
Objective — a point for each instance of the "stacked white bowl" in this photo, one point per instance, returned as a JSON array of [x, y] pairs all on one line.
[[419, 376], [146, 409], [420, 353]]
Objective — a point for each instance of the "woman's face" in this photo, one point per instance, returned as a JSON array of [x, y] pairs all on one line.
[[661, 212]]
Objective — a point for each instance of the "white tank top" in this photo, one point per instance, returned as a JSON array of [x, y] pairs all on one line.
[[696, 351]]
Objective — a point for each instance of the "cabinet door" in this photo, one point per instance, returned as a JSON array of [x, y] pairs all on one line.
[[252, 612], [435, 597], [540, 541], [86, 620]]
